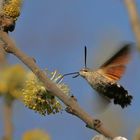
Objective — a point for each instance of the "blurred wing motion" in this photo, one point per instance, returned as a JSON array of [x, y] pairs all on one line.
[[115, 66], [113, 69], [100, 103]]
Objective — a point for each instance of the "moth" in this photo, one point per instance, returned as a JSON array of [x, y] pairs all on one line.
[[105, 79]]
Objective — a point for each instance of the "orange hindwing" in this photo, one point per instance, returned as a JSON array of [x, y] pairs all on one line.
[[115, 67]]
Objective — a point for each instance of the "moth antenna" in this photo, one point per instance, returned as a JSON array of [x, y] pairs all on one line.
[[77, 73], [85, 57], [70, 74]]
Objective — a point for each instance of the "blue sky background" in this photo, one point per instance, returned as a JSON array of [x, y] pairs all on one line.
[[55, 33]]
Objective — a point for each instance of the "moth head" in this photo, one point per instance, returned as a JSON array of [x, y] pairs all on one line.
[[84, 72]]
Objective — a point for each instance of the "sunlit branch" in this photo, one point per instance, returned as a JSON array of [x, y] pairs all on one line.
[[72, 105], [134, 19], [7, 114]]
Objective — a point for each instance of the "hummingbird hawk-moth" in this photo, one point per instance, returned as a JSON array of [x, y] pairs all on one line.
[[104, 79]]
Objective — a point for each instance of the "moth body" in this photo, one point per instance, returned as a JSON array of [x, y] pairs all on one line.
[[106, 86], [104, 79]]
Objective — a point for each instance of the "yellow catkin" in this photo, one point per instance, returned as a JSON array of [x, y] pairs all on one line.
[[37, 98], [36, 134], [12, 80], [12, 8]]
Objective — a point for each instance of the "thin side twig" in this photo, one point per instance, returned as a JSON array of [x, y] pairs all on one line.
[[8, 124], [134, 19], [72, 104]]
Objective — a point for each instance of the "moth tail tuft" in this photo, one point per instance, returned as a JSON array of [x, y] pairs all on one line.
[[119, 95]]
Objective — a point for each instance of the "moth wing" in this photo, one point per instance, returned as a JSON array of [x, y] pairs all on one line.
[[114, 72], [115, 67]]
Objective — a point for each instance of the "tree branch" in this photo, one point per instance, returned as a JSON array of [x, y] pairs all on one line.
[[71, 103], [8, 125], [134, 19]]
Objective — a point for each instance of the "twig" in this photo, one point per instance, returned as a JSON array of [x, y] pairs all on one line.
[[70, 102], [134, 19], [3, 56], [8, 125]]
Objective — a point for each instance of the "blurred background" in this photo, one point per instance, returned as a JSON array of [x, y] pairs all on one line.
[[55, 33]]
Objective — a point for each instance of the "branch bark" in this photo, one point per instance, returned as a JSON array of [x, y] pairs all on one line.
[[134, 19], [75, 109], [8, 125]]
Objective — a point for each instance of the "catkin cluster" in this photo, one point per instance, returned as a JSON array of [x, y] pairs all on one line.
[[37, 98], [12, 8]]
